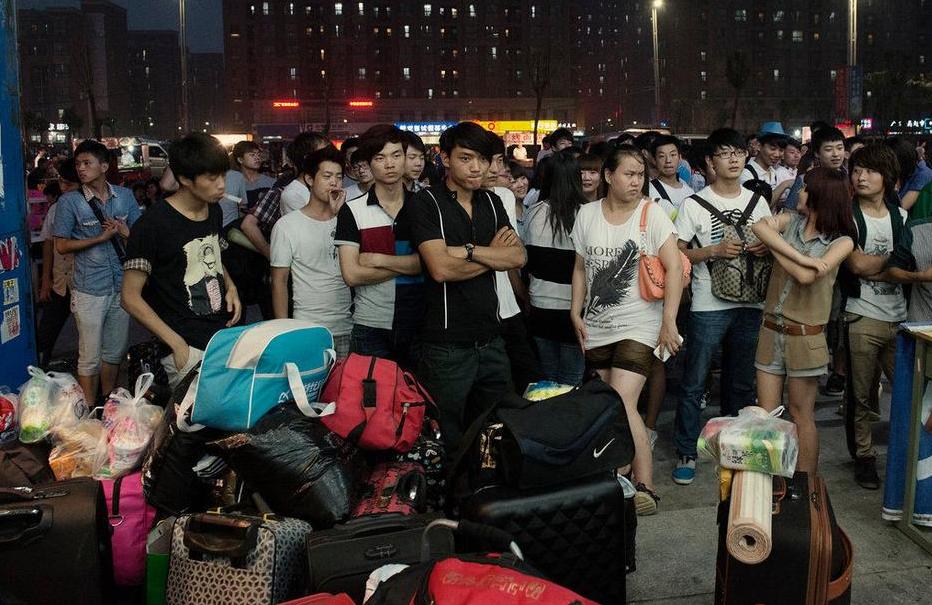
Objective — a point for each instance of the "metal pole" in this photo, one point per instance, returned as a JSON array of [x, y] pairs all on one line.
[[653, 19], [852, 32], [185, 120]]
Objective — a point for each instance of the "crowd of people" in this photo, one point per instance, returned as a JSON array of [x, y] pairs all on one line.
[[481, 276]]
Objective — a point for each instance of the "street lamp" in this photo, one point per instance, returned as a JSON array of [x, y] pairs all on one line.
[[182, 30], [852, 33], [657, 4]]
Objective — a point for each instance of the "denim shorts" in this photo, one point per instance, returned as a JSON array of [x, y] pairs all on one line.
[[776, 362]]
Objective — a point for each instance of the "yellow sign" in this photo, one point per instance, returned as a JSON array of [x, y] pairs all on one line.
[[503, 126]]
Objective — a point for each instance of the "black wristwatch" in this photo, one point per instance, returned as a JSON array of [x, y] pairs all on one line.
[[469, 249]]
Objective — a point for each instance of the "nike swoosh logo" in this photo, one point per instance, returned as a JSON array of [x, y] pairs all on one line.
[[598, 452]]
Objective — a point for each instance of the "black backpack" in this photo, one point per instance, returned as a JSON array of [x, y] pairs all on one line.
[[758, 185]]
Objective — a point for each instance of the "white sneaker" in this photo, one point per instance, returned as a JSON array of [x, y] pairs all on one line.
[[652, 438]]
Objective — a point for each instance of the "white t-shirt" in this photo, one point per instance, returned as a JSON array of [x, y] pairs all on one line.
[[305, 246], [507, 303], [694, 221], [62, 264], [295, 196], [353, 192], [614, 308], [879, 300], [676, 195], [768, 175]]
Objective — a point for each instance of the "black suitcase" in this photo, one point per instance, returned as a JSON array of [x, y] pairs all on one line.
[[340, 559], [811, 559], [55, 544], [25, 464], [576, 535]]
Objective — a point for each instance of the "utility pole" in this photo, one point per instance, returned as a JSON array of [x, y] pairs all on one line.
[[657, 4], [185, 118], [852, 33]]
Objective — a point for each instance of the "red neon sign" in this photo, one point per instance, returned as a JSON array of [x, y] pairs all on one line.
[[286, 104], [361, 104]]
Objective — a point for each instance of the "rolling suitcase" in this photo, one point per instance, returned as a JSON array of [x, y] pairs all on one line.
[[55, 544], [811, 560], [232, 559], [575, 534], [340, 559]]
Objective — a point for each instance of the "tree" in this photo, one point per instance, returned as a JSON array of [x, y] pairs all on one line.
[[539, 74], [737, 71], [73, 120]]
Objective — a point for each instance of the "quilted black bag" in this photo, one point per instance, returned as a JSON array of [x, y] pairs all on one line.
[[560, 440]]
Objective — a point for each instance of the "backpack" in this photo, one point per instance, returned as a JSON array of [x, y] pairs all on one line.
[[757, 184], [849, 282], [379, 406], [660, 189], [248, 370], [742, 279]]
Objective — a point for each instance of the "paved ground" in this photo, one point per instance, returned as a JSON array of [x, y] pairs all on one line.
[[676, 547]]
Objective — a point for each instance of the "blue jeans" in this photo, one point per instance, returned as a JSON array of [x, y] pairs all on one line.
[[737, 330], [561, 362], [401, 346]]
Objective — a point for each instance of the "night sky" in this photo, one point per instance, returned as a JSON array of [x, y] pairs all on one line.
[[205, 18]]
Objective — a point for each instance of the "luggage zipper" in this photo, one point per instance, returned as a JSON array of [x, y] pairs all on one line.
[[115, 513], [401, 422], [820, 545]]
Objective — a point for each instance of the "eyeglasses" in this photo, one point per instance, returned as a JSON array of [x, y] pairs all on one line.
[[731, 155]]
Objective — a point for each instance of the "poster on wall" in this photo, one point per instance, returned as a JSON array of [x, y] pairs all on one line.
[[11, 326], [10, 291]]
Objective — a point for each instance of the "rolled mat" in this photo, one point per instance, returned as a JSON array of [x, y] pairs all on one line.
[[749, 518]]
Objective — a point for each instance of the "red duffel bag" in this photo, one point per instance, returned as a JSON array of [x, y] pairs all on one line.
[[379, 406]]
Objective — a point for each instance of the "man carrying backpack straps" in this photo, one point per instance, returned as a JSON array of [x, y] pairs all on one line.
[[714, 322]]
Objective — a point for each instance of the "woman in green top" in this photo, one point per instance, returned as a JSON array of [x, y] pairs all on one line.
[[808, 247]]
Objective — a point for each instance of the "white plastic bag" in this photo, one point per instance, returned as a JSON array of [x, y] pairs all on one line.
[[80, 451], [49, 402], [130, 421], [754, 441]]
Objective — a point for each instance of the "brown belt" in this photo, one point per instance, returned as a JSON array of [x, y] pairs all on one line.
[[793, 329]]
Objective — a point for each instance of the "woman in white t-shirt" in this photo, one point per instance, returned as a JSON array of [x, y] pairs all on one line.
[[615, 326]]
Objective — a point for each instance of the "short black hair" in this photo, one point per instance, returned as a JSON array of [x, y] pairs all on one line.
[[855, 140], [906, 155], [664, 139], [467, 135], [517, 170], [879, 158], [791, 142], [562, 134], [68, 172], [305, 143], [376, 138], [95, 148], [644, 140], [325, 154], [197, 154], [724, 137], [243, 147], [349, 144], [819, 125], [497, 142], [52, 189], [414, 141], [138, 185], [827, 134]]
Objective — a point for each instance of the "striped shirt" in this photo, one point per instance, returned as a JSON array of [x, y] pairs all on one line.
[[551, 258]]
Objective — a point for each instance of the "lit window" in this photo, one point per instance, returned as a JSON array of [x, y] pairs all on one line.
[[779, 34], [430, 93], [323, 73], [533, 11], [472, 10], [388, 31], [797, 35], [265, 8], [252, 9], [338, 8], [832, 74], [702, 56], [443, 74], [776, 75], [741, 15], [407, 31], [406, 73], [453, 12], [922, 59], [494, 52], [703, 76], [361, 8], [428, 9], [777, 16], [291, 8], [702, 95], [336, 31], [323, 54], [293, 73], [361, 73]]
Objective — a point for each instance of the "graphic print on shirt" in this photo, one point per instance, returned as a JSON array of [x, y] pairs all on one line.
[[718, 228], [879, 247], [612, 278], [202, 275]]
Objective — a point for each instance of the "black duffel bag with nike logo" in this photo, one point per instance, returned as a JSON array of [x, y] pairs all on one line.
[[527, 444]]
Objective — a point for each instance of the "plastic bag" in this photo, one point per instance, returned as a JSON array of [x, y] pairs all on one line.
[[9, 407], [545, 389], [49, 402], [130, 421], [301, 468], [81, 451], [754, 441]]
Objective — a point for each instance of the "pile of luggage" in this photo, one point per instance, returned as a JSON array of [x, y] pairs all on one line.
[[276, 473]]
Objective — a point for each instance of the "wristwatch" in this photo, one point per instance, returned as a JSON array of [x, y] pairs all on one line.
[[469, 249]]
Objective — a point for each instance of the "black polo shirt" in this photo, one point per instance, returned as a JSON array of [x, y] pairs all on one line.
[[463, 311]]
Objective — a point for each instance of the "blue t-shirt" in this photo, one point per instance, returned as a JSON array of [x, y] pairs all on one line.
[[918, 180], [97, 270]]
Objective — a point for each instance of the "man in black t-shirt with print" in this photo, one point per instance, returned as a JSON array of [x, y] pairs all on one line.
[[175, 283], [463, 236]]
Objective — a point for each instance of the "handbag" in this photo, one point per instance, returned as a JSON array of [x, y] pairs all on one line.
[[652, 275], [393, 487], [742, 279]]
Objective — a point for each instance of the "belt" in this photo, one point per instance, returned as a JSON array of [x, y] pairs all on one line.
[[793, 329]]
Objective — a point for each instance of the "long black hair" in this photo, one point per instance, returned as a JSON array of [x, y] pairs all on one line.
[[563, 190]]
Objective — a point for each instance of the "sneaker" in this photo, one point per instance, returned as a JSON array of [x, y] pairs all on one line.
[[865, 473], [835, 385], [645, 501], [685, 470], [652, 438], [704, 400]]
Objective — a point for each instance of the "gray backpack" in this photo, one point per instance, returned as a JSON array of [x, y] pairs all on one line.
[[742, 279]]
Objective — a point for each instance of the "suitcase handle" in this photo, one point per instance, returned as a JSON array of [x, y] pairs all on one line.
[[222, 536], [23, 525], [497, 539]]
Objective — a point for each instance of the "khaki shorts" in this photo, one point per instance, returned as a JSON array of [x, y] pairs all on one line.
[[793, 356], [628, 355]]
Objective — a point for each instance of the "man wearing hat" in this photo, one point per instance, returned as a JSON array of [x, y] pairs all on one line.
[[772, 139]]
